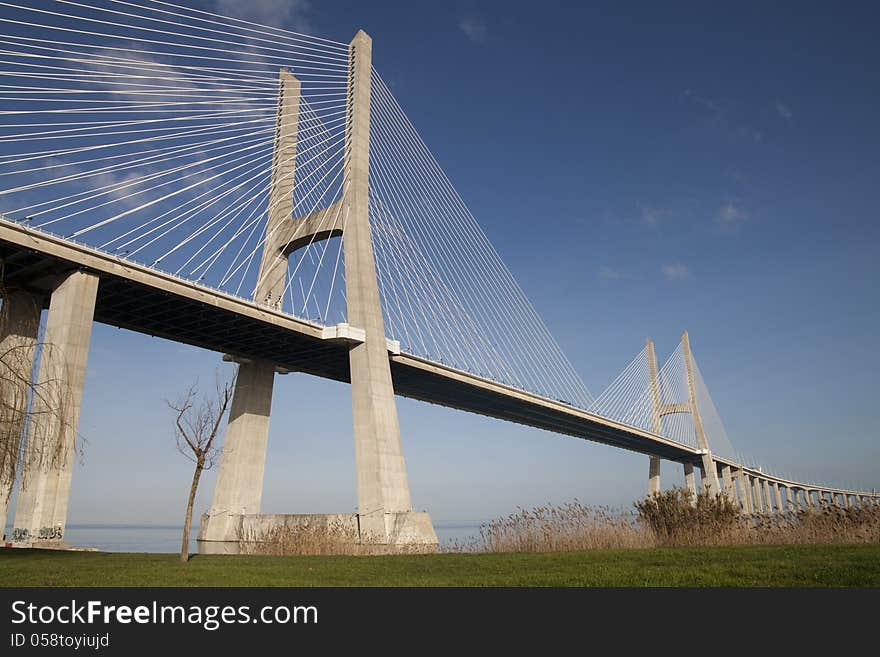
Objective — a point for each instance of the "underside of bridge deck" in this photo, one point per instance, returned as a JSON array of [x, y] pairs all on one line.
[[139, 306]]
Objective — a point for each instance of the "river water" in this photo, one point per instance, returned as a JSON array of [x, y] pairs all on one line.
[[166, 538]]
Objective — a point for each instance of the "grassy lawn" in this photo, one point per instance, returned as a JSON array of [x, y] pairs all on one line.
[[803, 565]]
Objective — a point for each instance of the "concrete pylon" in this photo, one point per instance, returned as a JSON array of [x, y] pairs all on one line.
[[653, 475], [41, 514], [659, 409], [727, 483], [756, 495], [690, 481], [768, 499], [19, 323], [656, 421], [745, 492], [384, 508], [239, 487], [702, 440], [791, 494], [778, 497]]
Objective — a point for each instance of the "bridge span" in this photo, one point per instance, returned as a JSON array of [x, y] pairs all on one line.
[[207, 155], [133, 296]]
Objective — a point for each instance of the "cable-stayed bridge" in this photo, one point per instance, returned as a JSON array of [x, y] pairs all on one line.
[[261, 193]]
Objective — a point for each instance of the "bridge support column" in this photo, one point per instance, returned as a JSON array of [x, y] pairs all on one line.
[[768, 499], [239, 486], [385, 515], [791, 494], [727, 483], [19, 323], [653, 475], [690, 481], [745, 492], [777, 494], [756, 495], [41, 515]]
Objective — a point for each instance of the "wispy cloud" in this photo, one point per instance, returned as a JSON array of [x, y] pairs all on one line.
[[784, 110], [675, 271], [609, 274], [290, 14], [474, 29], [650, 214], [730, 216], [721, 115]]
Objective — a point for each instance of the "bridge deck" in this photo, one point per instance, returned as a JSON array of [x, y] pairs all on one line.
[[146, 300]]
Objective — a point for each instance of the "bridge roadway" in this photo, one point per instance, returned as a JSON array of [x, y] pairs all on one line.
[[144, 299]]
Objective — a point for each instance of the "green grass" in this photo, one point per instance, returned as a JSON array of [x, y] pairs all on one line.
[[801, 565]]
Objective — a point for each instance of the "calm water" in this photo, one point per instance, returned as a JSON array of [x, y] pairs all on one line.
[[166, 538]]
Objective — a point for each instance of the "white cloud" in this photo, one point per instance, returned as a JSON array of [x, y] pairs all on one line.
[[609, 274], [784, 110], [289, 14], [474, 29], [730, 216], [650, 215], [726, 117], [675, 271]]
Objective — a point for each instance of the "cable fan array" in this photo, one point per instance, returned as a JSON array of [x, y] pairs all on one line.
[[446, 294], [147, 130], [629, 399]]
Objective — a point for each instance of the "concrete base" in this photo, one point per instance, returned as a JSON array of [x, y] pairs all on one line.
[[406, 533]]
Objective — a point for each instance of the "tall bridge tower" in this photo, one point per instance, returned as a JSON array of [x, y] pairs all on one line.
[[385, 518], [690, 407]]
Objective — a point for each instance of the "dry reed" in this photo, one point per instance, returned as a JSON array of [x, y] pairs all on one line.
[[671, 518], [304, 537]]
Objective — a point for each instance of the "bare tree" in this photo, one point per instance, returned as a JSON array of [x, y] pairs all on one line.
[[196, 427]]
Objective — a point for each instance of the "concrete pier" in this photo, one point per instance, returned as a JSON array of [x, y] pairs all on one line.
[[382, 487], [653, 475], [727, 483], [19, 324], [239, 486], [690, 481], [756, 495], [41, 514], [745, 492], [768, 499], [777, 494], [791, 499]]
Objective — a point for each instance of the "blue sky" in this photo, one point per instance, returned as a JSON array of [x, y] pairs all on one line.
[[642, 169]]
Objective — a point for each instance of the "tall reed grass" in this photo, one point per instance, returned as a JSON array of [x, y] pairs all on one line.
[[668, 519]]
